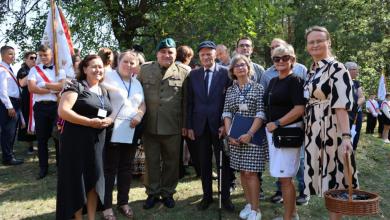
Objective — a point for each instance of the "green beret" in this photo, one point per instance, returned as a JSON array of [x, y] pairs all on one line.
[[166, 43]]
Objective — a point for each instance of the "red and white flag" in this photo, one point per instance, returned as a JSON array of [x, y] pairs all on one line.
[[64, 42], [64, 50]]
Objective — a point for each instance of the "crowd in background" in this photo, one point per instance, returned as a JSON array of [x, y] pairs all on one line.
[[120, 115]]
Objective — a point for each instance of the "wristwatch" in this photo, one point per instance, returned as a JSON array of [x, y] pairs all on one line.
[[277, 123]]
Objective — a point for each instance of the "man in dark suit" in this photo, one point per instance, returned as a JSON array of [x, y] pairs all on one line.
[[206, 96]]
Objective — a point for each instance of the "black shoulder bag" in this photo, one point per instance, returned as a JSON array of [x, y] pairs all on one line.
[[285, 137]]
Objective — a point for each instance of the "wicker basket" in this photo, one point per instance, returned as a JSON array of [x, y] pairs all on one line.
[[351, 207]]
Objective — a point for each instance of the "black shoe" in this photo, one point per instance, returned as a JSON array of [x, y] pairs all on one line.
[[13, 162], [228, 205], [277, 198], [42, 174], [30, 151], [302, 199], [169, 202], [150, 202], [204, 204]]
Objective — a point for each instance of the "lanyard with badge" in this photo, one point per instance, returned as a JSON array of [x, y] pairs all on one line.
[[306, 92], [124, 84], [242, 106], [102, 112]]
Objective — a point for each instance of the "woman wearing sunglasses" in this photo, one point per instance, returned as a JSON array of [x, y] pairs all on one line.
[[285, 106], [29, 61]]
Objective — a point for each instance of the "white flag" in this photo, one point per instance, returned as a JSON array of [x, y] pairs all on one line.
[[64, 43], [382, 88]]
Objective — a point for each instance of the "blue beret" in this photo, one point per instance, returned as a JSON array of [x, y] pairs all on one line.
[[166, 43], [207, 44]]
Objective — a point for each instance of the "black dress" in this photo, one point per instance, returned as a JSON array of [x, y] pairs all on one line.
[[25, 107], [81, 148]]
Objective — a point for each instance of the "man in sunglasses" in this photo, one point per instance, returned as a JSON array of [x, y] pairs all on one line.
[[300, 71], [29, 59]]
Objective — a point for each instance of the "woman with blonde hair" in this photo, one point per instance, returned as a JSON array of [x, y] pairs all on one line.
[[245, 97], [285, 107], [328, 91]]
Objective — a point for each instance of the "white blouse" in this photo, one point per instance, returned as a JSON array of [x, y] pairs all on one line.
[[125, 97]]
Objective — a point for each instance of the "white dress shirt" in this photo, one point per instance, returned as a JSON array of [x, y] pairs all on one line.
[[50, 74], [8, 86], [372, 106], [212, 69]]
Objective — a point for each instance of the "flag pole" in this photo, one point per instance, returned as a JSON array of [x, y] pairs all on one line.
[[54, 27]]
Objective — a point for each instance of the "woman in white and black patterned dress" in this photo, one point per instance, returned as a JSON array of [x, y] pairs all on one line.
[[244, 97], [327, 135]]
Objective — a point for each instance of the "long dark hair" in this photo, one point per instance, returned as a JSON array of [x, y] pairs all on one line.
[[84, 64]]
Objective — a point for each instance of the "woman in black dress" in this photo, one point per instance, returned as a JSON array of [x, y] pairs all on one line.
[[29, 61], [84, 106]]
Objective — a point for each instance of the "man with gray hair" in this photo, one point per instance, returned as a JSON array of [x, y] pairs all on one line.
[[223, 55], [356, 115]]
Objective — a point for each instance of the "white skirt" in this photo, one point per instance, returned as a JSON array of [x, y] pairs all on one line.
[[283, 162]]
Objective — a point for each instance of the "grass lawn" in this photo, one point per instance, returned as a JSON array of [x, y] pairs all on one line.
[[23, 197]]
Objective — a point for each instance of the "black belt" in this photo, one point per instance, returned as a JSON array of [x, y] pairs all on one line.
[[47, 102], [13, 98]]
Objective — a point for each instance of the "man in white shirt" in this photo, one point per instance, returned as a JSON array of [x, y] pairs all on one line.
[[45, 84], [373, 111], [9, 105]]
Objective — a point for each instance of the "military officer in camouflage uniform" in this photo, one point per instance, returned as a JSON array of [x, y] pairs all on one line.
[[164, 87]]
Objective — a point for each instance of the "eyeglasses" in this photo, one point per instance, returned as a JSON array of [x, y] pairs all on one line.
[[32, 58], [313, 42], [240, 65], [284, 58], [244, 45]]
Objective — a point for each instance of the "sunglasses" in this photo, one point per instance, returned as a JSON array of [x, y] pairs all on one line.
[[284, 58], [32, 58]]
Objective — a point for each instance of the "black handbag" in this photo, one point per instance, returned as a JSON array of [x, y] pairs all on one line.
[[290, 137]]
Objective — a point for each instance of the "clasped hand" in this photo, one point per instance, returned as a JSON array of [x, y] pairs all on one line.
[[100, 123]]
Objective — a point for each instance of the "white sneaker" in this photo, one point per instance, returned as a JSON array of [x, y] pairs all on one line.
[[254, 215], [246, 211], [387, 141]]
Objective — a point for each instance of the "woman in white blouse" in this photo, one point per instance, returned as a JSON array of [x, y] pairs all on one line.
[[127, 100]]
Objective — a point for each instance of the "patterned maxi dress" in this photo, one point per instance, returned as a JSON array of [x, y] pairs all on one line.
[[329, 86], [246, 157]]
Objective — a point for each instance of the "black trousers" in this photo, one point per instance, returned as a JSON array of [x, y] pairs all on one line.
[[8, 128], [45, 115], [118, 159], [371, 123], [194, 153], [207, 144]]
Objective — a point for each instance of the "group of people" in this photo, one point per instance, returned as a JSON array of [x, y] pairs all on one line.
[[107, 112]]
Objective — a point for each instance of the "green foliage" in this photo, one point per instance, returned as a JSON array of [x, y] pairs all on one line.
[[359, 28]]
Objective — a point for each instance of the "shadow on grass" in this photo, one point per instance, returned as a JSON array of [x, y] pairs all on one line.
[[46, 216]]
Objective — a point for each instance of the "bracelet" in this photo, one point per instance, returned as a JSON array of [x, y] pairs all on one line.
[[250, 134], [346, 135]]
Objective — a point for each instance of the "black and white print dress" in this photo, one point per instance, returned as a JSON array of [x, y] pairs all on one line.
[[246, 157], [328, 87]]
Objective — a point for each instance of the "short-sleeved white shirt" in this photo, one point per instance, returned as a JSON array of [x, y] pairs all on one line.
[[50, 74]]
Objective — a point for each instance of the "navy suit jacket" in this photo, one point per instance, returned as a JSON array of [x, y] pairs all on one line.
[[202, 108]]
